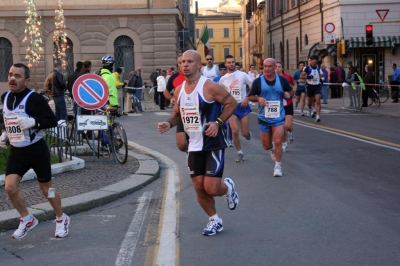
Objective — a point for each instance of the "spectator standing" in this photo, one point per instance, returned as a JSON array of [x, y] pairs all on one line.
[[368, 79], [73, 77], [333, 79], [325, 88], [161, 86], [153, 79], [396, 82], [341, 76], [55, 85]]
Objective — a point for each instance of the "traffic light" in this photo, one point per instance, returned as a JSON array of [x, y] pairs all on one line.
[[369, 34]]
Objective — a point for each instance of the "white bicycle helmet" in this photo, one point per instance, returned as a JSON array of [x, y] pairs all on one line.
[[107, 60]]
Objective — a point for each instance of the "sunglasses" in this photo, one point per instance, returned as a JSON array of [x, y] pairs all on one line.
[[209, 59]]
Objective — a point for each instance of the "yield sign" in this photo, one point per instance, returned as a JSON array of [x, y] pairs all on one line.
[[90, 91], [382, 13]]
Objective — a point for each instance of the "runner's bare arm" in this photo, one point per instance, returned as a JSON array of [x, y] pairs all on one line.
[[219, 94], [175, 117]]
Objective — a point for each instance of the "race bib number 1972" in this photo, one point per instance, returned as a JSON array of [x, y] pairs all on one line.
[[191, 118]]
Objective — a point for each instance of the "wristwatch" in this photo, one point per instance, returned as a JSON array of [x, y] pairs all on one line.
[[219, 122]]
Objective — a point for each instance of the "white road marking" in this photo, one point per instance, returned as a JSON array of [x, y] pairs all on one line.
[[350, 137], [128, 245], [169, 246], [162, 113]]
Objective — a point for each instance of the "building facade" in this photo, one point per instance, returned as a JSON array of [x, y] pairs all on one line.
[[296, 29], [224, 25], [140, 33]]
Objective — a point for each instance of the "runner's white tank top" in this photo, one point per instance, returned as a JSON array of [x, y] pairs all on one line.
[[17, 137]]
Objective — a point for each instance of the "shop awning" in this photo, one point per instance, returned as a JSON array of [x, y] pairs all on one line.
[[379, 42], [321, 50]]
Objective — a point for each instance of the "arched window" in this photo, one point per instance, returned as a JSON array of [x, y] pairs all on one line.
[[6, 58], [287, 54], [69, 56], [123, 52], [297, 51], [281, 51]]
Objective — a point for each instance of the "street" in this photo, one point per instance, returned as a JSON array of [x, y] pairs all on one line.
[[337, 203]]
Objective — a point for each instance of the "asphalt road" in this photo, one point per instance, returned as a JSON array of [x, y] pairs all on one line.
[[336, 204]]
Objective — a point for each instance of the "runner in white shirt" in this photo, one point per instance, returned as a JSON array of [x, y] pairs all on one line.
[[236, 83], [210, 71]]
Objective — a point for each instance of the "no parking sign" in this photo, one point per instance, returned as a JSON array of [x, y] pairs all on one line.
[[90, 91]]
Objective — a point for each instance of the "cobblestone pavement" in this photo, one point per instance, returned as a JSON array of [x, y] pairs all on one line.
[[94, 176]]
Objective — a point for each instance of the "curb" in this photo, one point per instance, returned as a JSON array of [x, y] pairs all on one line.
[[148, 171]]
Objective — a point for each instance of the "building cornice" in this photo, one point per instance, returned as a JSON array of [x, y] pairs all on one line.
[[93, 12]]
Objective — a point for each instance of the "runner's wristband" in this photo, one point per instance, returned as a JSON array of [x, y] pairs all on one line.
[[170, 124], [219, 122]]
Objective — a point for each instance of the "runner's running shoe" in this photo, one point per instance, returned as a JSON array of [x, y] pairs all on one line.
[[239, 158], [312, 114], [24, 227], [284, 146], [62, 227], [232, 198], [213, 227], [291, 137], [318, 118], [272, 154], [277, 171], [249, 136], [302, 113]]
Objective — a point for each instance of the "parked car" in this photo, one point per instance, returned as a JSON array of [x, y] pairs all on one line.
[[98, 122]]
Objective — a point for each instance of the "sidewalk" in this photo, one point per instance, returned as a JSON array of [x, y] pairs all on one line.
[[388, 108], [97, 184]]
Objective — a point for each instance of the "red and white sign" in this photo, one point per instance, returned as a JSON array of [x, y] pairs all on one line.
[[90, 91], [382, 13], [330, 27], [330, 38]]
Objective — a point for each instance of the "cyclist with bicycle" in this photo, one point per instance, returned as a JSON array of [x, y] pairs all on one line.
[[106, 74]]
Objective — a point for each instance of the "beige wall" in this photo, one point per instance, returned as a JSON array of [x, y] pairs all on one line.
[[93, 28]]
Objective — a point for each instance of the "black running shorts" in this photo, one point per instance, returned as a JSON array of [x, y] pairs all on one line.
[[35, 156], [289, 109], [207, 163]]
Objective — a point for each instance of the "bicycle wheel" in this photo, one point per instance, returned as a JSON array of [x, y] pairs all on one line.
[[119, 142], [97, 146], [384, 94], [374, 99]]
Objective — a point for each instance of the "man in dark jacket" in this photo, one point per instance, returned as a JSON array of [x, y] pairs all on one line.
[[56, 86], [368, 79], [72, 77]]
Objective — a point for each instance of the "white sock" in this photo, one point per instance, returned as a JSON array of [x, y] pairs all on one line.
[[214, 217], [278, 164], [273, 146], [61, 218], [27, 218], [240, 152], [284, 143]]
